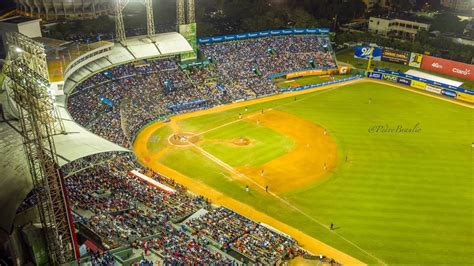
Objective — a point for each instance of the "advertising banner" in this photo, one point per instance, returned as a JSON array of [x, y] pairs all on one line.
[[465, 97], [189, 33], [445, 86], [395, 56], [311, 72], [415, 60], [262, 34], [433, 89], [344, 69], [418, 85], [389, 77], [449, 67], [404, 81], [305, 87], [364, 52], [449, 93], [374, 75]]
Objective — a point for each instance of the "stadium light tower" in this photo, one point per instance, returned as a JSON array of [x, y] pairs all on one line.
[[150, 20], [191, 13], [180, 13], [27, 70], [119, 25]]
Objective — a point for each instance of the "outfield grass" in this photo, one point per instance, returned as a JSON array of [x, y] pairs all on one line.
[[405, 198], [348, 57]]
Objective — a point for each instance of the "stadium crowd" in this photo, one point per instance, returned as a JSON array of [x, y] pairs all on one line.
[[124, 210], [235, 232], [118, 102]]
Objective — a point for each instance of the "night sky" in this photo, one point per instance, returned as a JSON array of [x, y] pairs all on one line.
[[6, 4]]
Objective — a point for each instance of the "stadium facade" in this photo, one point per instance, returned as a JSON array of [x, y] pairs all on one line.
[[65, 9]]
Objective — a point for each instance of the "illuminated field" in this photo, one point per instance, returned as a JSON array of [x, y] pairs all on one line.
[[328, 157]]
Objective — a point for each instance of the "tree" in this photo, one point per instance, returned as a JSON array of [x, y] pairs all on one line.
[[401, 5], [300, 18], [447, 22]]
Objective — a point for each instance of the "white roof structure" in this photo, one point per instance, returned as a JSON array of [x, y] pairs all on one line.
[[172, 43], [137, 48], [78, 142], [424, 75]]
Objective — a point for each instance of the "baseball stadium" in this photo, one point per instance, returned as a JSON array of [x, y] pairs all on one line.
[[258, 148]]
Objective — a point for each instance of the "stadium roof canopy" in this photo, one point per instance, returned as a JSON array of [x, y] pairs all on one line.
[[136, 48], [78, 142], [439, 79]]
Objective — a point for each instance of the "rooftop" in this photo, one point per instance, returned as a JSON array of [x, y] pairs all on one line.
[[18, 20], [405, 16]]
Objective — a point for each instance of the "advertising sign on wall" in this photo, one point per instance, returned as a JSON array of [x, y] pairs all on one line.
[[189, 33], [415, 60], [433, 89], [312, 72], [374, 75], [449, 93], [418, 84], [249, 35], [364, 52], [404, 81], [344, 69], [449, 67], [395, 56], [389, 77]]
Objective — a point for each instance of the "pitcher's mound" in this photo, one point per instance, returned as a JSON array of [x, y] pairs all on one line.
[[241, 142], [183, 139]]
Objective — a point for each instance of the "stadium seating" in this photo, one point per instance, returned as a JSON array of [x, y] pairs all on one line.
[[117, 102], [124, 210]]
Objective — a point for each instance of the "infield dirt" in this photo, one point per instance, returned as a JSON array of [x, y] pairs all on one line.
[[313, 156]]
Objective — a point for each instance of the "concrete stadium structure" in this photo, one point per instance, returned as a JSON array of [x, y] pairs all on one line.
[[65, 9], [77, 142]]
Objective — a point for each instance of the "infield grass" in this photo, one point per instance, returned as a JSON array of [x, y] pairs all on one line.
[[265, 144], [405, 198]]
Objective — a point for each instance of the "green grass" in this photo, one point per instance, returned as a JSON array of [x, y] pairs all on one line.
[[348, 57], [406, 198], [159, 139], [265, 144]]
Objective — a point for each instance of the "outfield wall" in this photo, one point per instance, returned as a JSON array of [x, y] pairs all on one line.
[[306, 87], [423, 84]]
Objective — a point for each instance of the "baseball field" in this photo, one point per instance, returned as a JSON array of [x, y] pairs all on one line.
[[390, 168]]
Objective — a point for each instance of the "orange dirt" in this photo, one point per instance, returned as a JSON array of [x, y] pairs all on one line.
[[241, 142], [309, 243], [183, 139], [320, 145], [313, 156]]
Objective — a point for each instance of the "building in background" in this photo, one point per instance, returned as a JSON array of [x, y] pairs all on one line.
[[29, 27], [370, 4], [458, 5], [64, 9], [397, 26]]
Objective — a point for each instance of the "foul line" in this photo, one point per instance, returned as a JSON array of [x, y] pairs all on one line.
[[258, 112], [239, 174]]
